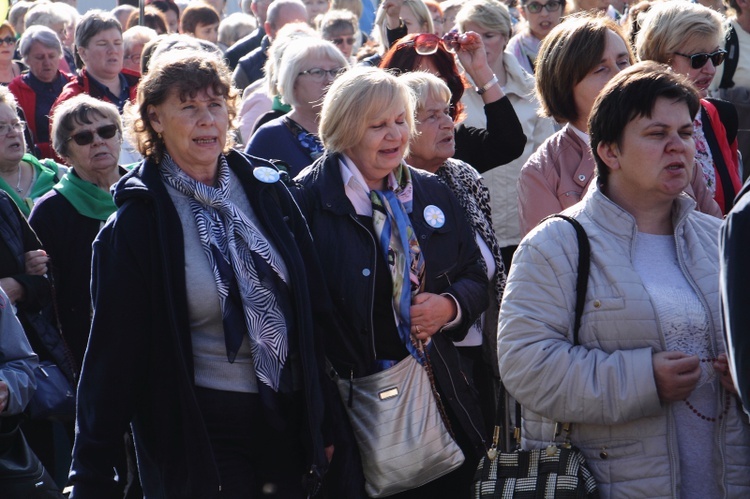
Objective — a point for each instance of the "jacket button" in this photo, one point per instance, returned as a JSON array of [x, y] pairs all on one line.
[[581, 177], [366, 272], [423, 236], [328, 205], [603, 455], [597, 304]]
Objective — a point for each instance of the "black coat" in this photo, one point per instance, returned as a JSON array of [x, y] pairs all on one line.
[[348, 251], [139, 363]]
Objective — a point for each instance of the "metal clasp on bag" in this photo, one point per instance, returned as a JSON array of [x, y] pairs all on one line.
[[388, 393]]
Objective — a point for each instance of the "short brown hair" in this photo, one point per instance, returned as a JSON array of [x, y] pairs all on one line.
[[633, 93], [567, 54], [79, 110], [197, 13], [184, 73]]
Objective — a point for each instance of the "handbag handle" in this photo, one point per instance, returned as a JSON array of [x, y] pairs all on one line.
[[584, 265]]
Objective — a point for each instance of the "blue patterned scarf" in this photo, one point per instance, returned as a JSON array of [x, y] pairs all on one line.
[[390, 209], [252, 292]]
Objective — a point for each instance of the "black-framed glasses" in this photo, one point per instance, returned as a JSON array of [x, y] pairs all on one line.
[[8, 40], [699, 60], [536, 7], [340, 40], [86, 137], [18, 127], [319, 74]]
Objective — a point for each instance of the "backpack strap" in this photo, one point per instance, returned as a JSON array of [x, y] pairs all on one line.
[[721, 166]]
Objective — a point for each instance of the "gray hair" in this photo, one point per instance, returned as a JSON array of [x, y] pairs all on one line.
[[235, 26], [18, 12], [7, 97], [295, 55], [77, 111], [45, 14], [94, 22], [136, 35], [41, 35], [284, 37]]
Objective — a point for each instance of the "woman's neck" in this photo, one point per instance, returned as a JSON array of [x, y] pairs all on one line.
[[7, 167], [103, 180], [430, 166], [309, 119], [113, 84], [651, 216]]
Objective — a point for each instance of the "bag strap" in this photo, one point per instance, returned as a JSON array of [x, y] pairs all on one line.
[[733, 57], [584, 266], [718, 157]]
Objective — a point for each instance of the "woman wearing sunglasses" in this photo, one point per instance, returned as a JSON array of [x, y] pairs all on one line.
[[538, 20], [307, 68], [689, 37], [341, 27], [503, 139], [9, 68]]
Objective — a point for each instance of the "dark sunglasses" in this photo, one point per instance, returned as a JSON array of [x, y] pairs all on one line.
[[8, 40], [427, 43], [536, 7], [697, 61], [86, 137], [340, 41]]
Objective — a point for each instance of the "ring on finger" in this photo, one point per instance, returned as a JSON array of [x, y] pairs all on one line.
[[418, 330]]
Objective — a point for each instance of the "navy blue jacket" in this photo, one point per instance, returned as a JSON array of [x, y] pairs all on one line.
[[139, 363], [347, 251]]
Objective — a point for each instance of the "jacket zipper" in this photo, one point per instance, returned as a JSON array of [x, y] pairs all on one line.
[[372, 290]]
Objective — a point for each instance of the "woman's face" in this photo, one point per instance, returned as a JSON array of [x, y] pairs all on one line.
[[194, 131], [309, 89], [43, 62], [542, 22], [100, 156], [208, 32], [173, 22], [344, 40], [494, 42], [103, 55], [437, 21], [655, 157], [382, 148], [7, 45], [434, 142], [614, 59], [132, 59], [12, 145], [701, 77], [315, 8], [411, 21]]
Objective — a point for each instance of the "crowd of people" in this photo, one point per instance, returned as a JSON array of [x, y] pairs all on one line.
[[219, 227]]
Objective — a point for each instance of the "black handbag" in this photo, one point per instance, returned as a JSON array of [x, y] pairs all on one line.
[[559, 470], [21, 472]]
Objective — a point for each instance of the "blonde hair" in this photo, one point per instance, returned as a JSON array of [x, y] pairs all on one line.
[[489, 14], [295, 56], [357, 98], [421, 12], [425, 85]]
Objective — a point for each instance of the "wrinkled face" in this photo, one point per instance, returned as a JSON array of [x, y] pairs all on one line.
[[309, 89], [411, 21], [132, 58], [542, 20], [383, 146], [208, 32], [434, 142], [344, 40], [656, 155], [703, 76], [12, 145], [194, 131], [614, 59], [104, 54], [98, 157], [43, 62], [494, 42]]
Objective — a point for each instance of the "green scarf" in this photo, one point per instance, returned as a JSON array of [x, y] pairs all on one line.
[[280, 106], [88, 199], [46, 176]]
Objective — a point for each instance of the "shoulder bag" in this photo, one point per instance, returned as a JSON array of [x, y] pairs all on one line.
[[559, 470], [400, 426]]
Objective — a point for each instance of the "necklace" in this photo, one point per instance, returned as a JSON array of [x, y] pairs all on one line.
[[18, 184], [710, 419]]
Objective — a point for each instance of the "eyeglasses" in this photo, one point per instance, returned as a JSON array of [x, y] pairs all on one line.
[[18, 127], [134, 58], [536, 7], [697, 61], [86, 137], [340, 40], [427, 43], [8, 40], [319, 74]]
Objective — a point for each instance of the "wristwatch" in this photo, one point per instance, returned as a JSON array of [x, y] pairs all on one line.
[[488, 85]]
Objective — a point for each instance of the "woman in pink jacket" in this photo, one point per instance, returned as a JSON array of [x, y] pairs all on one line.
[[576, 60]]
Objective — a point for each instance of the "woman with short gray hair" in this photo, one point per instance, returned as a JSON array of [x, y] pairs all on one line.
[[37, 90]]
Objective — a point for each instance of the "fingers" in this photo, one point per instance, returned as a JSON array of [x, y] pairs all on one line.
[[675, 374], [36, 262]]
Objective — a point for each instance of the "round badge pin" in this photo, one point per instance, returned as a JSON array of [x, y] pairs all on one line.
[[266, 175], [434, 216]]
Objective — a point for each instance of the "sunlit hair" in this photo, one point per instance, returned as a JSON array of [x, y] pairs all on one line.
[[418, 7], [424, 86], [295, 58], [7, 97], [631, 94], [79, 110], [356, 100], [566, 56], [195, 14], [669, 26], [41, 35], [286, 35], [403, 58], [183, 73], [490, 15]]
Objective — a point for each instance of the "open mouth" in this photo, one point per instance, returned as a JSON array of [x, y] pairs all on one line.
[[205, 140]]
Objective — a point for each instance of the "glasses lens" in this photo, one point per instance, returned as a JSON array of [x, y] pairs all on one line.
[[534, 7], [426, 44], [86, 137], [718, 57], [341, 41], [8, 40], [553, 6], [107, 131], [697, 61]]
